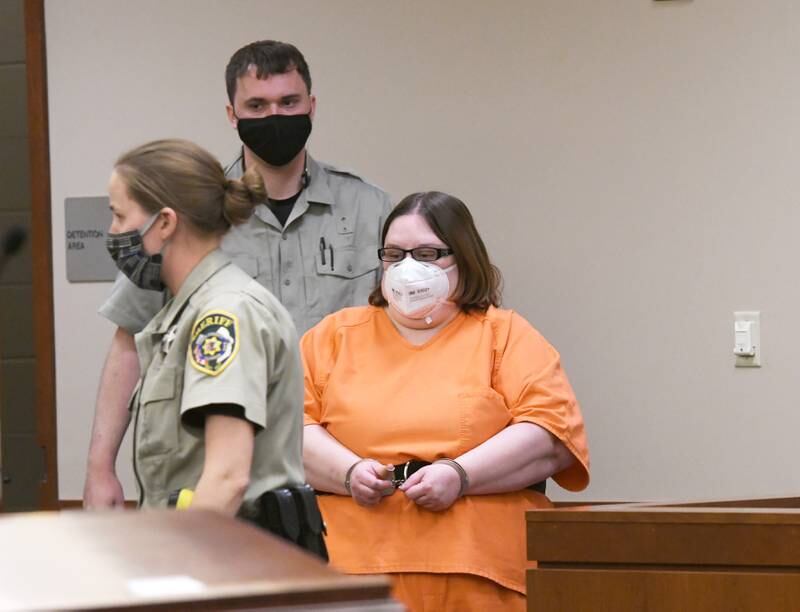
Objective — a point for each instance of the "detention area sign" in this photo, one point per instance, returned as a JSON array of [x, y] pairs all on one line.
[[86, 221]]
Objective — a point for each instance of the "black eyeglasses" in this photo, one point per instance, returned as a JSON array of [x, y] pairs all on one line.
[[394, 254]]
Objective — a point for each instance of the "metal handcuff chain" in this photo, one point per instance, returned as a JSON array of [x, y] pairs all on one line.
[[396, 482]]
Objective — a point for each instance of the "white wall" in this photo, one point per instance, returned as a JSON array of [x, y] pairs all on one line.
[[632, 165]]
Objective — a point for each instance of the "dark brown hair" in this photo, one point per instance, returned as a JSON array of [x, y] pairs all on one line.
[[268, 57], [479, 280], [183, 176]]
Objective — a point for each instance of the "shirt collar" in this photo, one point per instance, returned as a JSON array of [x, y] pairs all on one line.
[[318, 190], [208, 267]]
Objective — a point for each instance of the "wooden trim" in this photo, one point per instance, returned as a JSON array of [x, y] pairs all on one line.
[[42, 250], [574, 504], [713, 555]]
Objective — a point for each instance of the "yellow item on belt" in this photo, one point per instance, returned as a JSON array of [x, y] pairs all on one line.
[[181, 499]]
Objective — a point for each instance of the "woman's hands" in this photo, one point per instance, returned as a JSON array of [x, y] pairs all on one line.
[[369, 479], [435, 487]]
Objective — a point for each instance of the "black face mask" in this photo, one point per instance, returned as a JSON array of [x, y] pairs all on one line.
[[276, 139]]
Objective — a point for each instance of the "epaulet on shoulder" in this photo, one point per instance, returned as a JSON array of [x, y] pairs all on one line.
[[222, 299], [349, 174], [340, 171]]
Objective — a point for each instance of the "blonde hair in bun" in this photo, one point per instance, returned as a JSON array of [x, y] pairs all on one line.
[[181, 175], [242, 195]]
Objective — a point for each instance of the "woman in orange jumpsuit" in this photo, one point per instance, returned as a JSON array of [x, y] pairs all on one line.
[[433, 417]]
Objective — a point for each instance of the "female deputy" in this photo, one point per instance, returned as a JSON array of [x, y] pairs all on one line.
[[217, 407], [461, 406]]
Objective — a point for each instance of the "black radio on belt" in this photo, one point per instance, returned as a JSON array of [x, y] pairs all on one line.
[[291, 513]]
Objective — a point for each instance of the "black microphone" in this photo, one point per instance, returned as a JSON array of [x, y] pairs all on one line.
[[13, 240]]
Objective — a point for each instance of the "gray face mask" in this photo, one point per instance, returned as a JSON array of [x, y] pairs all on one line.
[[127, 251]]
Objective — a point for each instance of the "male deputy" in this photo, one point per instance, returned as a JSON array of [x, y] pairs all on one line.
[[313, 244]]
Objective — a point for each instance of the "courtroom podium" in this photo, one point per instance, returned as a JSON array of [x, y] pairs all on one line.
[[715, 556], [167, 560]]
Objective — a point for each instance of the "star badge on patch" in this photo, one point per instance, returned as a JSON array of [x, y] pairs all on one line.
[[215, 341]]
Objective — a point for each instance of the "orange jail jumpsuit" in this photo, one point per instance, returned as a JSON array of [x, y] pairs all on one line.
[[385, 398]]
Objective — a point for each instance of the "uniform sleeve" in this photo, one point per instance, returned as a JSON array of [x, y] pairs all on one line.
[[386, 208], [231, 357], [316, 348], [536, 390], [130, 307]]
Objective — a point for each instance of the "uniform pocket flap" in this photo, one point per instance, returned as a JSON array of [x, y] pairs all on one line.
[[158, 386], [347, 262]]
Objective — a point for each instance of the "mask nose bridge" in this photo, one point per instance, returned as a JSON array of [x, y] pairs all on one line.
[[406, 257]]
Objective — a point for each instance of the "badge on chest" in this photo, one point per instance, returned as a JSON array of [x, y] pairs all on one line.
[[168, 339], [215, 342]]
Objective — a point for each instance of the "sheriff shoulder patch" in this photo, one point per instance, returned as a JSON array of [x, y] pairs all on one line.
[[215, 341]]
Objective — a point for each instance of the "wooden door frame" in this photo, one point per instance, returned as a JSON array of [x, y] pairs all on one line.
[[41, 251]]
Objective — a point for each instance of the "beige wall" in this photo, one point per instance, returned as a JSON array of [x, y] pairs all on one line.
[[632, 166]]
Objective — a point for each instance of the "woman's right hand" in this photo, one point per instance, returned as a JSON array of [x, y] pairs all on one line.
[[369, 480]]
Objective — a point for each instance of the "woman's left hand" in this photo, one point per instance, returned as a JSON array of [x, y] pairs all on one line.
[[434, 487]]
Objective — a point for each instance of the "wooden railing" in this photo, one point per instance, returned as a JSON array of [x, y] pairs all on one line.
[[707, 556]]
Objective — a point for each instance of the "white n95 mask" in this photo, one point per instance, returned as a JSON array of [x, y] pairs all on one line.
[[415, 288]]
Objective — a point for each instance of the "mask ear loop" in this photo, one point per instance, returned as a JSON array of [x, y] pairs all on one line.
[[156, 257], [146, 227]]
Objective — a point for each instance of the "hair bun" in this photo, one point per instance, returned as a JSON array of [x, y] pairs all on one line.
[[242, 196]]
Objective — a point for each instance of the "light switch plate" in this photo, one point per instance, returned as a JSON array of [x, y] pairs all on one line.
[[755, 317]]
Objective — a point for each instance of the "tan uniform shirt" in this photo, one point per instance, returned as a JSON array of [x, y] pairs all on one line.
[[323, 259], [223, 339]]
